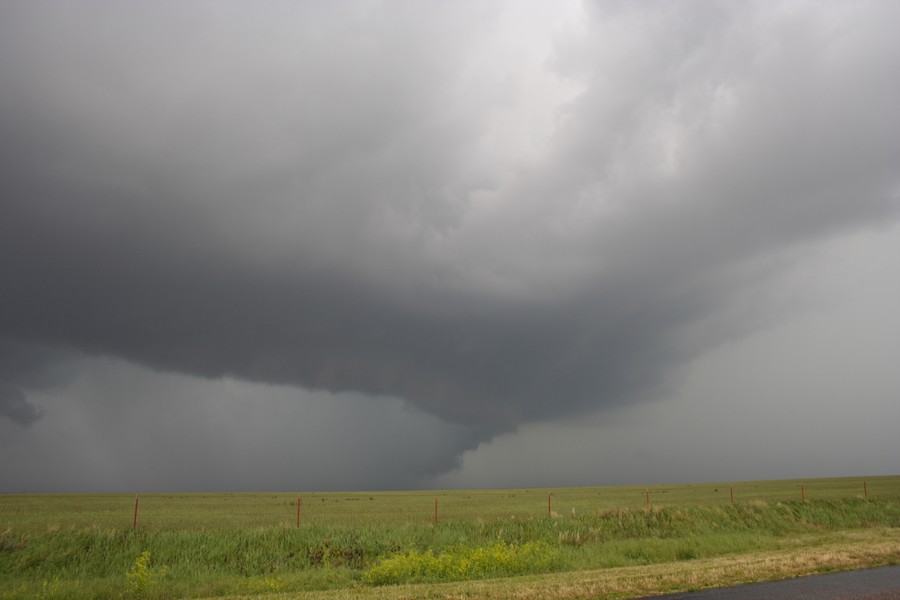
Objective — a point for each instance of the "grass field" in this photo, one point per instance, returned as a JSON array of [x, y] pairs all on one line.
[[486, 543]]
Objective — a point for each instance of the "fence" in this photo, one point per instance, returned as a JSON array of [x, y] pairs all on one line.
[[354, 509]]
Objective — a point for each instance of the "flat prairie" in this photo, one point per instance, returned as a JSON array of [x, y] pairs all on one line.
[[584, 542]]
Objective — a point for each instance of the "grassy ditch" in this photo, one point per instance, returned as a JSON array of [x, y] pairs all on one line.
[[95, 562], [804, 555]]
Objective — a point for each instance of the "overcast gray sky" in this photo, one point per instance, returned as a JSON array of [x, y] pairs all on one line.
[[373, 245]]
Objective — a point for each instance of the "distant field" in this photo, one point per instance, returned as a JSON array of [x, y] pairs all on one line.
[[237, 511], [249, 545]]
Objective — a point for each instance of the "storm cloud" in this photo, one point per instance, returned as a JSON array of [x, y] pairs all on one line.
[[29, 367], [495, 214], [15, 406]]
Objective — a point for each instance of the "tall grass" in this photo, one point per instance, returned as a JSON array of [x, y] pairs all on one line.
[[94, 562]]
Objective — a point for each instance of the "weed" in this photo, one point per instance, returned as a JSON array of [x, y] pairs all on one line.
[[462, 563], [256, 585], [49, 589], [142, 577]]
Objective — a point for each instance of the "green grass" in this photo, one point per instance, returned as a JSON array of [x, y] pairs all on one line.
[[195, 545], [160, 512]]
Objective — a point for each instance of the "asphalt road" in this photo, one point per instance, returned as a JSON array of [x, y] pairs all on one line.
[[867, 584]]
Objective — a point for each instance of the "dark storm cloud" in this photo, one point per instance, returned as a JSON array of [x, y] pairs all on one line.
[[311, 194], [15, 406], [28, 367], [120, 427]]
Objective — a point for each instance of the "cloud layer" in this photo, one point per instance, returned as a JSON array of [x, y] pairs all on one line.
[[498, 214]]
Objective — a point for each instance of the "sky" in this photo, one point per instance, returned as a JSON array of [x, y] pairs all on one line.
[[368, 245]]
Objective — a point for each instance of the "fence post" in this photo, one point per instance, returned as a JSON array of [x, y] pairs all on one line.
[[134, 525], [648, 500], [866, 489]]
